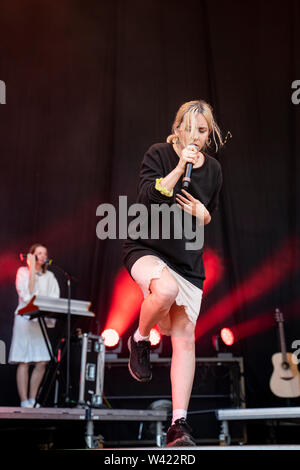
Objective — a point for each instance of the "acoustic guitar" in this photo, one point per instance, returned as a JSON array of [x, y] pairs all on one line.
[[285, 379]]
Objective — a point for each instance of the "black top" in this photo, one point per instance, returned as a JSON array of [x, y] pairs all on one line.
[[205, 186]]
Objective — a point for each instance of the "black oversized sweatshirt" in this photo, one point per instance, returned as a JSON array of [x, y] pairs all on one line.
[[205, 186]]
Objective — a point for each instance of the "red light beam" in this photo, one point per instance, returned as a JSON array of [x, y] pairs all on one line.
[[267, 276], [125, 304], [213, 269]]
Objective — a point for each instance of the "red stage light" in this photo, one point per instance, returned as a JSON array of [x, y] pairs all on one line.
[[214, 269], [111, 338], [9, 265], [227, 336], [155, 337]]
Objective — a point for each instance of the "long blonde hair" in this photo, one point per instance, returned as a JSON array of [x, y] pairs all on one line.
[[187, 113]]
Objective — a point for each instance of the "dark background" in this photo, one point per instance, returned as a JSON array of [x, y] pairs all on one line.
[[90, 86]]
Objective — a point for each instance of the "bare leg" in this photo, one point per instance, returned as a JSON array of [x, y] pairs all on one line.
[[36, 378], [22, 380], [183, 358], [157, 305]]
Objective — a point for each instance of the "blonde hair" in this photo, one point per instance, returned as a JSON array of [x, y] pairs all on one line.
[[187, 114]]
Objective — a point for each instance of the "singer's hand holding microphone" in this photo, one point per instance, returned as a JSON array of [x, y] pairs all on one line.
[[31, 260], [189, 154], [189, 157]]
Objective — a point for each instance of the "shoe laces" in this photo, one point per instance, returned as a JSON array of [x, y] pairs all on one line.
[[143, 352], [182, 422]]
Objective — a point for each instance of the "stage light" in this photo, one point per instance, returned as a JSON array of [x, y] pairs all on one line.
[[156, 343], [227, 336], [112, 343], [214, 269], [111, 338], [223, 340], [155, 337]]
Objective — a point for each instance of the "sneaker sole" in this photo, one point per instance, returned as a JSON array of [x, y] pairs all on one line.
[[147, 379], [182, 442]]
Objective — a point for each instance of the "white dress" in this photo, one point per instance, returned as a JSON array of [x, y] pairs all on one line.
[[28, 344]]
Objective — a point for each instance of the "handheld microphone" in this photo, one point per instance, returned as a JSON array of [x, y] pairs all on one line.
[[188, 170], [23, 257]]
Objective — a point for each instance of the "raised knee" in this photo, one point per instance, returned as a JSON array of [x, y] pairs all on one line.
[[166, 293]]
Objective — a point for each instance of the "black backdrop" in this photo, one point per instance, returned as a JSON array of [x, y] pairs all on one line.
[[90, 85]]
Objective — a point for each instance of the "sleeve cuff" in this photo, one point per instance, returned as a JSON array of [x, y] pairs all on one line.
[[162, 189]]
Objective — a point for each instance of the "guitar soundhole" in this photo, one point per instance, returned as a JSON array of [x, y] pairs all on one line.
[[285, 365]]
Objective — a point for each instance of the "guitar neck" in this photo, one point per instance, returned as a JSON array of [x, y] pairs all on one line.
[[282, 342]]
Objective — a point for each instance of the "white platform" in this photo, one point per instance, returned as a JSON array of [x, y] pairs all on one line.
[[81, 414], [258, 413], [245, 414]]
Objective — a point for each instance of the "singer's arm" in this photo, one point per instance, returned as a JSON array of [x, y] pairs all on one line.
[[188, 155], [152, 168], [170, 180]]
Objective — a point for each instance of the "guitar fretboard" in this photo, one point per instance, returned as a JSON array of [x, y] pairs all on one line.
[[280, 320]]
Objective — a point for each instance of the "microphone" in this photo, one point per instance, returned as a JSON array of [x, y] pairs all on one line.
[[188, 170], [23, 257]]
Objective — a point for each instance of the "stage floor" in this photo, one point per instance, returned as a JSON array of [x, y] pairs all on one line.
[[81, 414], [14, 418]]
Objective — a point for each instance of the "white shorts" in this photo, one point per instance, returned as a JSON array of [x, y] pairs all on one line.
[[150, 267]]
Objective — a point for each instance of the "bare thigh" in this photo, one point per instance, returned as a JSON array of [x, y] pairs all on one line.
[[176, 323]]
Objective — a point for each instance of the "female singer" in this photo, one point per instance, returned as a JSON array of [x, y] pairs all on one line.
[[170, 275], [28, 345]]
